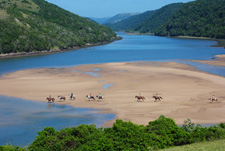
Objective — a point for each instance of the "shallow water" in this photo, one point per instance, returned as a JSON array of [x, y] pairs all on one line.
[[20, 119]]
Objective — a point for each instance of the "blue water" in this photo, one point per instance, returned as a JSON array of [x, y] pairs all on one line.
[[21, 119], [131, 48]]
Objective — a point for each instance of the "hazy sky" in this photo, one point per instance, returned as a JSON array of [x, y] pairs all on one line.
[[109, 8]]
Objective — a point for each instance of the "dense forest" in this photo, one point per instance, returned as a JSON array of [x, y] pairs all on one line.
[[160, 17], [159, 134], [130, 23], [201, 18], [36, 25]]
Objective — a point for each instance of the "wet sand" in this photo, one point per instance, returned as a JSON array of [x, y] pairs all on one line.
[[184, 89]]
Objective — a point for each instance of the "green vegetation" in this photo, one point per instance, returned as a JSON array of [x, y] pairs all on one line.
[[119, 17], [218, 145], [130, 23], [160, 17], [36, 25], [159, 134], [201, 18]]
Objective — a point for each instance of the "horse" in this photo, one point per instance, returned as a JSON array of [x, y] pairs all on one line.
[[99, 97], [50, 99], [211, 99], [90, 97], [140, 98], [72, 97], [62, 98], [157, 98]]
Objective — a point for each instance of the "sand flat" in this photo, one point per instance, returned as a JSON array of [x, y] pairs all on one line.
[[184, 89]]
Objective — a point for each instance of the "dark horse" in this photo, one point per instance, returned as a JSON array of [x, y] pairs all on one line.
[[51, 100], [157, 98], [61, 97], [90, 97], [213, 99], [140, 98], [99, 97]]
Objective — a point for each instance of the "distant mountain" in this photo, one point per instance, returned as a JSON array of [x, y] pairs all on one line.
[[100, 20], [200, 18], [119, 17], [131, 22], [35, 25], [160, 17]]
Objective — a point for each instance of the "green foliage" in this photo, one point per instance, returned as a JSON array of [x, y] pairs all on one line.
[[200, 18], [11, 148], [159, 134], [160, 17], [26, 30], [188, 126], [130, 23]]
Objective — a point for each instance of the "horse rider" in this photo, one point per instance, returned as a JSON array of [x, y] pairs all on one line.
[[71, 95], [61, 97], [213, 98], [139, 96], [50, 98], [100, 96], [156, 96]]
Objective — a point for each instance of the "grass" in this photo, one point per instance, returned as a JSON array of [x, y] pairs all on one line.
[[218, 145]]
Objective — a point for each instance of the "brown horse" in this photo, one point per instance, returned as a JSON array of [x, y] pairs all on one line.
[[157, 98], [62, 98], [50, 99], [99, 97], [139, 98]]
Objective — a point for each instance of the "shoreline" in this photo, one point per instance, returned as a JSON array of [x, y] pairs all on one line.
[[192, 89], [220, 42], [53, 51]]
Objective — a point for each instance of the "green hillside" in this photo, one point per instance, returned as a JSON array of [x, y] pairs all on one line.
[[119, 17], [160, 17], [131, 22], [36, 25], [201, 18]]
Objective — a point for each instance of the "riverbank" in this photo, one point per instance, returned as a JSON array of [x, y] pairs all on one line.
[[53, 51], [184, 89], [220, 42]]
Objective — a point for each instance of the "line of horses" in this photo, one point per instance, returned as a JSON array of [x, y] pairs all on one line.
[[139, 98], [63, 98]]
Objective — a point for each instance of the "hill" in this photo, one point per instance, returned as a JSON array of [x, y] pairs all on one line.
[[100, 20], [200, 18], [119, 17], [131, 22], [160, 17], [36, 25]]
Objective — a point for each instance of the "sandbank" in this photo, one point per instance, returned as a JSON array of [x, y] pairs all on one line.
[[184, 89]]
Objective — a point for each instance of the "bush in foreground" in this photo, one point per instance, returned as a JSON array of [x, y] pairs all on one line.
[[159, 134]]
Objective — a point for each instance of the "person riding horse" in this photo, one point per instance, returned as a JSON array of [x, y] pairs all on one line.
[[72, 96]]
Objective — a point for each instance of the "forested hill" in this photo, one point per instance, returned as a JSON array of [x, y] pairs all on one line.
[[36, 25], [119, 17], [131, 22], [201, 18], [160, 17]]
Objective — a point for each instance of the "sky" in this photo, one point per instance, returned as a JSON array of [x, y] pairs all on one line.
[[110, 8]]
